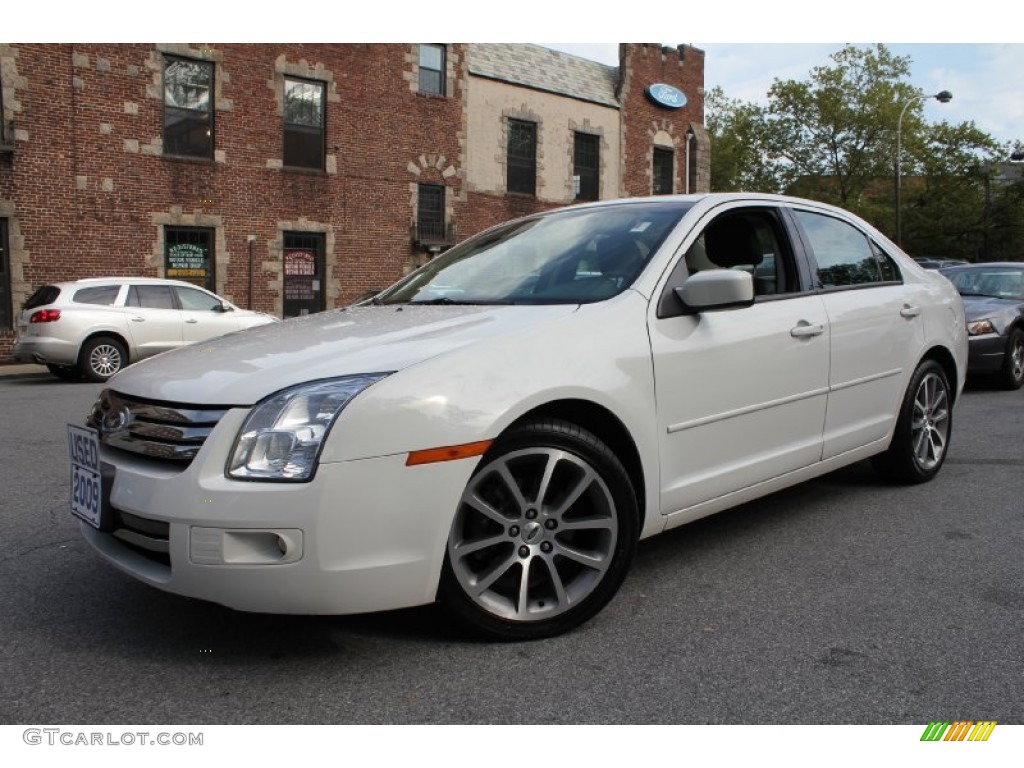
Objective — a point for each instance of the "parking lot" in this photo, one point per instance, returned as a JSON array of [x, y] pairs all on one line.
[[845, 600]]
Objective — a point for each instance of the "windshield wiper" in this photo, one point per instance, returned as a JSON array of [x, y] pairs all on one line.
[[447, 301]]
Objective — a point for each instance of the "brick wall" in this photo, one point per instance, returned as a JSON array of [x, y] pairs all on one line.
[[645, 124], [88, 190]]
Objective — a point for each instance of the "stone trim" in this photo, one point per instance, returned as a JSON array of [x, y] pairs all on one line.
[[154, 64], [303, 70], [176, 217], [12, 83], [18, 258], [523, 112], [273, 266], [412, 75], [593, 130]]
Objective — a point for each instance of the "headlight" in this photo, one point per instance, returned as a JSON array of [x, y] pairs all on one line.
[[282, 437], [978, 327]]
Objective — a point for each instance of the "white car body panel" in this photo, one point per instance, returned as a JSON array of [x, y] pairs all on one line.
[[722, 407]]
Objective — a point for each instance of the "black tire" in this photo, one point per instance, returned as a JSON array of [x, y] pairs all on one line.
[[1012, 375], [101, 358], [925, 424], [573, 536], [65, 372]]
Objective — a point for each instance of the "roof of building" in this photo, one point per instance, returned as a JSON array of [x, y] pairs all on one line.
[[534, 66]]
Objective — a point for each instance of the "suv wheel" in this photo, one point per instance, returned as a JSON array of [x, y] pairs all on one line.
[[101, 358]]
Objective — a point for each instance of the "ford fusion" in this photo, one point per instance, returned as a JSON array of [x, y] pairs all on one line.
[[500, 428]]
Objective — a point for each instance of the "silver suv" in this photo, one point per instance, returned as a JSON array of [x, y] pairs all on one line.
[[95, 327]]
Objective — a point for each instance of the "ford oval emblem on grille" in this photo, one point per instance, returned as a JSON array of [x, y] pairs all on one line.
[[117, 420]]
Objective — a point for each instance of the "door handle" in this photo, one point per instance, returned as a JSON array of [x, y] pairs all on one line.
[[805, 330], [138, 319], [193, 320], [909, 311]]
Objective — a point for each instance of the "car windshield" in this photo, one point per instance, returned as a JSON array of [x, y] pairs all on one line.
[[995, 283], [573, 256]]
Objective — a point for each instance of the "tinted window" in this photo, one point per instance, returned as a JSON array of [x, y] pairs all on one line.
[[188, 107], [522, 157], [843, 255], [750, 241], [43, 296], [987, 281], [195, 300], [303, 124], [890, 272], [151, 297], [105, 295]]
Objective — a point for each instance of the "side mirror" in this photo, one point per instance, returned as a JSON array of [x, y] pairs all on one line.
[[717, 289], [222, 307]]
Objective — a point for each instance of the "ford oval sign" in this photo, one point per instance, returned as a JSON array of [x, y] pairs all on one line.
[[666, 96]]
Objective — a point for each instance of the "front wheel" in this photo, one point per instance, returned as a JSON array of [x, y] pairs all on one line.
[[543, 535], [921, 439]]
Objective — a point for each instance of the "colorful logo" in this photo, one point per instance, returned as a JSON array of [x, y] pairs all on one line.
[[960, 730]]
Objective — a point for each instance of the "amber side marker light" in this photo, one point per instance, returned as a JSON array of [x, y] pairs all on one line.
[[447, 453]]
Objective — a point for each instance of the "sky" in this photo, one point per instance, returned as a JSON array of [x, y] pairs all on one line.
[[975, 50], [986, 80]]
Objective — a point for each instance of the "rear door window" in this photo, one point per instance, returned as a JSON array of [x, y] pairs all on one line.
[[151, 297]]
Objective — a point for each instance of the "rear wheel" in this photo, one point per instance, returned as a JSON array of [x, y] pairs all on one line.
[[921, 440], [1012, 375], [101, 358], [543, 536]]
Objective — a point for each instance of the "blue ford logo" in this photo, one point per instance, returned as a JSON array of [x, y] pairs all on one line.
[[666, 96]]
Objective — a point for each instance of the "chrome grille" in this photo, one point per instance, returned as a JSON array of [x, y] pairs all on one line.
[[164, 431]]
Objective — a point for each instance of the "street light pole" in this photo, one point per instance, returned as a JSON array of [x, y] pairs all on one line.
[[943, 97]]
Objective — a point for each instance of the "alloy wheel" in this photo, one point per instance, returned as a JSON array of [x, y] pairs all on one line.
[[930, 424]]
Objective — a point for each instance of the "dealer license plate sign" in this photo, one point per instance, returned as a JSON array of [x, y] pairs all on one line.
[[86, 481]]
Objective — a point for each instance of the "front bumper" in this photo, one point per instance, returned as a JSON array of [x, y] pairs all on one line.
[[986, 353], [364, 535]]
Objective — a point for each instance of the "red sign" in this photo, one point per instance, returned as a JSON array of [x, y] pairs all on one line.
[[299, 263]]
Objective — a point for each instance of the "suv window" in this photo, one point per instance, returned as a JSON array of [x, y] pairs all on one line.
[[843, 255], [104, 295], [43, 296], [151, 296], [196, 300]]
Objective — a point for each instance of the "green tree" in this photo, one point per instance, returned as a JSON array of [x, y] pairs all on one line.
[[833, 137]]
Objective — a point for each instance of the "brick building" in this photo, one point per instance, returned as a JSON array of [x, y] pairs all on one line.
[[294, 178]]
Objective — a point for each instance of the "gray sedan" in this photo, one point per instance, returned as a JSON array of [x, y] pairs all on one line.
[[993, 296]]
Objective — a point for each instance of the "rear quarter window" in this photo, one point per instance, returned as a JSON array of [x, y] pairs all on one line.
[[104, 295], [43, 296]]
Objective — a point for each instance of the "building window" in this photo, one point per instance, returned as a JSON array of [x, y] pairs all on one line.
[[303, 124], [586, 165], [430, 213], [188, 107], [188, 255], [522, 157], [663, 171], [432, 69], [303, 273], [5, 279]]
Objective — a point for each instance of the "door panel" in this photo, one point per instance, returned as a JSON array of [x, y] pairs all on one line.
[[153, 320], [741, 396]]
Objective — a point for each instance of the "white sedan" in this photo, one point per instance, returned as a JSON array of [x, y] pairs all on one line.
[[499, 429]]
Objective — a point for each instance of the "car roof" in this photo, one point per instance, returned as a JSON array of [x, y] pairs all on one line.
[[86, 281]]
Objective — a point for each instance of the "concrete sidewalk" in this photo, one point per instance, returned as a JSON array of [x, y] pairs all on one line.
[[18, 370]]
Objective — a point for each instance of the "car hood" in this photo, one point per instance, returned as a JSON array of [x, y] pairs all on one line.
[[978, 307], [242, 368]]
